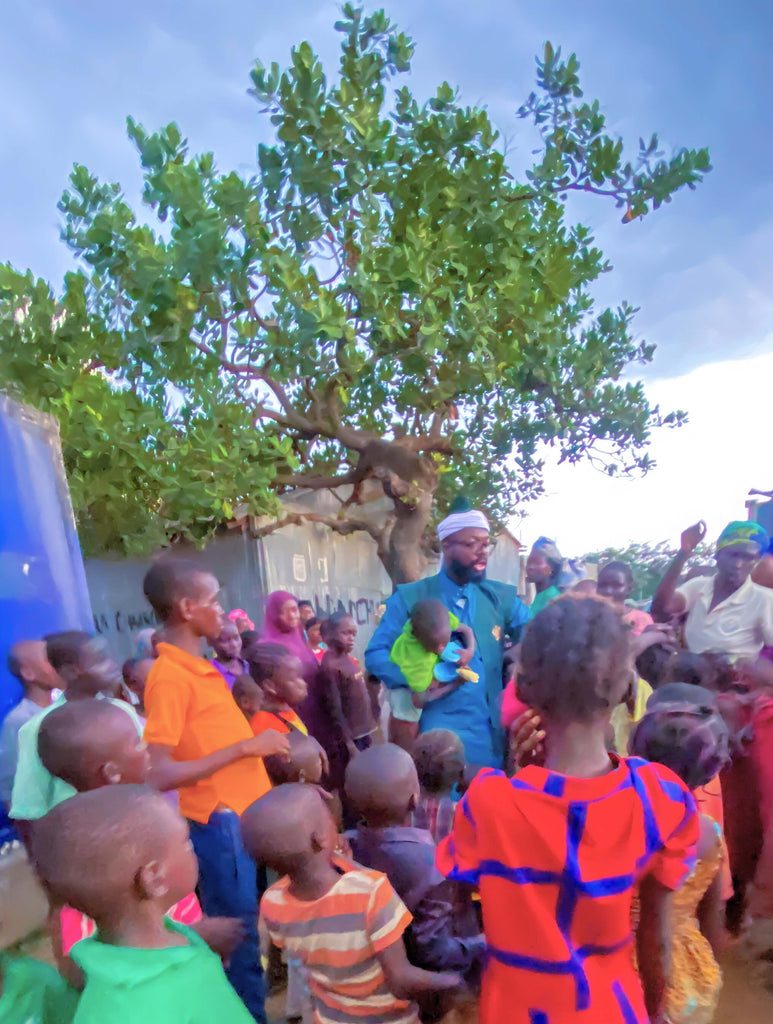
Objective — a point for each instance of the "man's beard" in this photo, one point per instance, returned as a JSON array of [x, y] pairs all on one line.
[[465, 573]]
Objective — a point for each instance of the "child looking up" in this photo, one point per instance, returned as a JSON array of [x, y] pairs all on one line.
[[692, 740], [346, 723], [200, 743], [439, 758], [279, 674], [382, 788], [344, 923], [432, 660], [228, 650], [122, 856], [556, 851]]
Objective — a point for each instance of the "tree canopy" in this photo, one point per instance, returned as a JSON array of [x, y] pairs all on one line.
[[382, 309]]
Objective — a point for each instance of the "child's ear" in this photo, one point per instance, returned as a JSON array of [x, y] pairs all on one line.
[[413, 802], [110, 773], [317, 845], [151, 881], [184, 609]]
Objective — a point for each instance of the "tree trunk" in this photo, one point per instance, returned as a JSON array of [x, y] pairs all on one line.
[[404, 558]]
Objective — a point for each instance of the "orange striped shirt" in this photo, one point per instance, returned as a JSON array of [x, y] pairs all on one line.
[[338, 938]]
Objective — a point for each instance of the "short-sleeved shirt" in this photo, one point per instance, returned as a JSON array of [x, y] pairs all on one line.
[[190, 709], [35, 790], [338, 938], [75, 926], [9, 743], [556, 860], [156, 986], [33, 993], [283, 721], [740, 626]]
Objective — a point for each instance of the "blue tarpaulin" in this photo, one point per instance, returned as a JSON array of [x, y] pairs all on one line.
[[42, 582]]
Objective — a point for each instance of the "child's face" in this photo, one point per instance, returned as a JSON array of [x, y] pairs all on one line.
[[288, 683], [203, 611], [95, 671], [344, 635], [181, 868], [228, 645], [613, 585], [441, 637], [315, 635], [306, 612], [130, 760], [250, 698]]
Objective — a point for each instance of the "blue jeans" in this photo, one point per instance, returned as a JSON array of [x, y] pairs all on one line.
[[228, 888]]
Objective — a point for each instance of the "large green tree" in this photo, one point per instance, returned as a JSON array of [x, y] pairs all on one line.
[[381, 310]]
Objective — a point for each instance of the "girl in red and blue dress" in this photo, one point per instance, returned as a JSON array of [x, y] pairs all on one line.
[[558, 851]]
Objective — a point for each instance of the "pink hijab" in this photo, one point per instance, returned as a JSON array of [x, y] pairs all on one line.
[[272, 633]]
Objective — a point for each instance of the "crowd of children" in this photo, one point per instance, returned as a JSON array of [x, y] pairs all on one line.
[[191, 816]]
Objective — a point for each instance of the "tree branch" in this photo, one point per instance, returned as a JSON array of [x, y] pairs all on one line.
[[344, 527]]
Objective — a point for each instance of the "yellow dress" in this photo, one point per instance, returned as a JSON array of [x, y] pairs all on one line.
[[696, 980]]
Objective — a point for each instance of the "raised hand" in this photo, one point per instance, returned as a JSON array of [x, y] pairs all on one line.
[[692, 537]]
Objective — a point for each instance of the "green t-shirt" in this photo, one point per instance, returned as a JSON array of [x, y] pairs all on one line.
[[35, 790], [33, 993], [184, 984], [543, 599]]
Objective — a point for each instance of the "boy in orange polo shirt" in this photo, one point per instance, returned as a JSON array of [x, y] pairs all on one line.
[[201, 745]]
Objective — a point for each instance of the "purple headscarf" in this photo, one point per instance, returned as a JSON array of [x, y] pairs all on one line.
[[295, 641]]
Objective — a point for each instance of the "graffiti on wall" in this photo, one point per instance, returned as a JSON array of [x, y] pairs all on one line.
[[124, 622], [362, 609]]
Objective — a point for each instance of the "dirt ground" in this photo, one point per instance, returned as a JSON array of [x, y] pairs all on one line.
[[746, 997]]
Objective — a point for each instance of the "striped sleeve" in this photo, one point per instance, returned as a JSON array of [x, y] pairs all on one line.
[[271, 897], [387, 917]]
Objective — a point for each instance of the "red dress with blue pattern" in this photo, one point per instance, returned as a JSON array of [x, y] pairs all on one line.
[[556, 860]]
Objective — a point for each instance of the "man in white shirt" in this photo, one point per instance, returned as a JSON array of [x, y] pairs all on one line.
[[726, 613], [28, 661]]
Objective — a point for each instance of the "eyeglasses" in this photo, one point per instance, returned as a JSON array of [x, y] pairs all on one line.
[[476, 545]]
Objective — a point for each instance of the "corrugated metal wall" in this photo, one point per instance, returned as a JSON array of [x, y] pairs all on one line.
[[333, 572]]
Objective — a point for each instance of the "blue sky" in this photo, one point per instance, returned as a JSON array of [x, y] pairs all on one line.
[[698, 73]]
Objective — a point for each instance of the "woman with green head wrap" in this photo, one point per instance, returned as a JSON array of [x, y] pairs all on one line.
[[726, 613]]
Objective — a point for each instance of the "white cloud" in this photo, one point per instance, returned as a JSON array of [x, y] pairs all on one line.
[[704, 470]]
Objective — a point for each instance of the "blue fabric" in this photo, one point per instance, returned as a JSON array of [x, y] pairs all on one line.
[[471, 711], [228, 888]]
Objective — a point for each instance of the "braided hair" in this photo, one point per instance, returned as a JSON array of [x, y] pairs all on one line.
[[685, 732], [575, 659]]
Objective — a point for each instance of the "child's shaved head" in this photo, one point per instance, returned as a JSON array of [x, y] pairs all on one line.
[[92, 743], [382, 785], [431, 624], [288, 827], [303, 765], [100, 851], [439, 758]]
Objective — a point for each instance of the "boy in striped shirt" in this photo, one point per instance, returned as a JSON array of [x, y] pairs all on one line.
[[344, 923]]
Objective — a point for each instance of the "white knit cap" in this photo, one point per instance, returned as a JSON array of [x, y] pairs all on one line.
[[460, 521]]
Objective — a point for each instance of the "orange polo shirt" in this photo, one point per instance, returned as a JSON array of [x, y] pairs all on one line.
[[190, 709], [282, 721]]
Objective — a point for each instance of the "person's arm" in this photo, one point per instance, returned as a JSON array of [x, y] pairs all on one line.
[[667, 602], [378, 661], [330, 699], [434, 942], [408, 982], [519, 618], [711, 915], [166, 773], [467, 635], [433, 693], [653, 944]]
